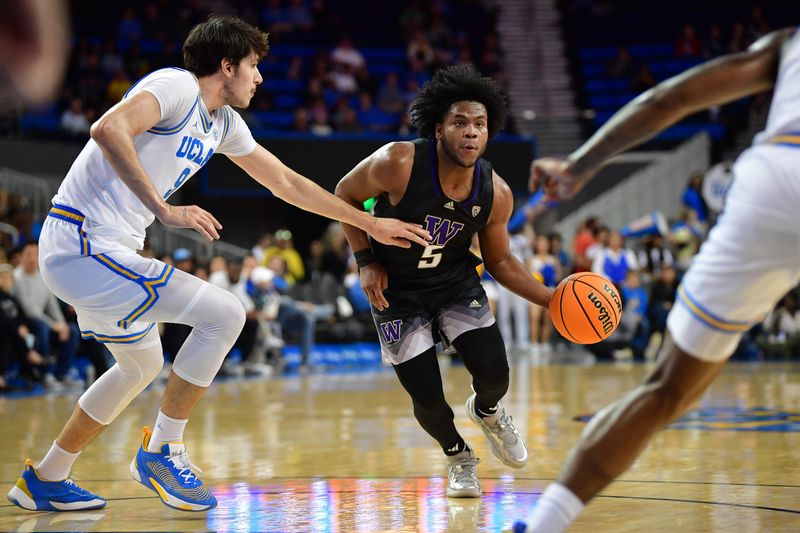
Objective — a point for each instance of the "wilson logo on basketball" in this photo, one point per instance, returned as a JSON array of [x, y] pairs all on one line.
[[604, 318]]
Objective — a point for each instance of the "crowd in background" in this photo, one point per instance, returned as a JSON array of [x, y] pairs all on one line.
[[323, 82], [304, 298]]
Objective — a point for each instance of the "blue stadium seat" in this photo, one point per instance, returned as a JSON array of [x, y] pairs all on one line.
[[287, 101], [284, 85], [275, 119]]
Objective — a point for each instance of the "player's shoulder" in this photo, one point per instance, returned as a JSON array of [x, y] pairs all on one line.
[[393, 157], [500, 186]]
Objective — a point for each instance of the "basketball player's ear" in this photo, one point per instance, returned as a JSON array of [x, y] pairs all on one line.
[[227, 66], [438, 130]]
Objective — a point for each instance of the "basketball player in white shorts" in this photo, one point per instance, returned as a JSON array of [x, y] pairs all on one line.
[[142, 150], [750, 260]]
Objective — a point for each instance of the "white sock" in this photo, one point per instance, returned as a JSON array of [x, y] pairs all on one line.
[[165, 430], [555, 511], [56, 463]]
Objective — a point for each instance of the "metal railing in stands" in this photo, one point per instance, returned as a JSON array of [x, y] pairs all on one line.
[[166, 240], [37, 191]]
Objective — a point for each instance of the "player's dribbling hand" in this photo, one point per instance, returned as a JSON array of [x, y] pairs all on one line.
[[374, 281], [192, 217], [555, 178], [395, 232]]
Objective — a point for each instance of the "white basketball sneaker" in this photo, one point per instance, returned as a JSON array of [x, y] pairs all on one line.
[[507, 444], [462, 475]]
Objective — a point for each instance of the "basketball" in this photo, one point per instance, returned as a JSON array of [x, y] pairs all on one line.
[[586, 308]]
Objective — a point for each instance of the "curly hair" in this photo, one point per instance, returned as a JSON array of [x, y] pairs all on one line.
[[456, 84]]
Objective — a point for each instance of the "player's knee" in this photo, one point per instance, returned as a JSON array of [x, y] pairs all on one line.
[[226, 313]]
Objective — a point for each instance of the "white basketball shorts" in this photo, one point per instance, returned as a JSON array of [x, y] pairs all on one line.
[[109, 291], [750, 260]]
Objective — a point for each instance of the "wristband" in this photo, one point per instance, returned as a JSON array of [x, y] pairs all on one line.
[[364, 257]]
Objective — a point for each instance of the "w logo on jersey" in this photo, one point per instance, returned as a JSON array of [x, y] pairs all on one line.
[[441, 229], [391, 330]]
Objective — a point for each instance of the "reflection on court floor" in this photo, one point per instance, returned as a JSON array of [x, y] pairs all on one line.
[[342, 453]]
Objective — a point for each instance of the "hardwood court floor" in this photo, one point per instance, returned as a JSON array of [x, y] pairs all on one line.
[[342, 453]]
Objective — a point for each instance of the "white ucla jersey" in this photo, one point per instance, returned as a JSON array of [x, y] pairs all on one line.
[[784, 113], [170, 152]]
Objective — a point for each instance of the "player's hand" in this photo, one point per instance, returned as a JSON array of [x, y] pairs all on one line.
[[555, 178], [192, 217], [398, 233], [374, 281]]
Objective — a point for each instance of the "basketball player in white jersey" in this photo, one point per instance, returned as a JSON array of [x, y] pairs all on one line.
[[751, 258], [142, 150]]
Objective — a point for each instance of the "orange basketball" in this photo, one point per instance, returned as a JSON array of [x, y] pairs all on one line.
[[586, 308]]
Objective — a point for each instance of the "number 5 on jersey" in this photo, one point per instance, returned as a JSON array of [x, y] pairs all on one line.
[[431, 256]]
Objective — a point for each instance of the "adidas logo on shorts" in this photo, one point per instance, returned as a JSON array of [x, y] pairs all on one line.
[[475, 304]]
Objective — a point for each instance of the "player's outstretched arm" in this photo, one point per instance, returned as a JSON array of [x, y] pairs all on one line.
[[290, 186], [504, 267], [716, 82], [114, 133]]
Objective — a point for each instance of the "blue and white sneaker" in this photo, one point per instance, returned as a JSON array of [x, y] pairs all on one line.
[[169, 474], [36, 494], [519, 527]]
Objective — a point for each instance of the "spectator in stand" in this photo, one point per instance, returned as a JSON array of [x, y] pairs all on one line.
[[73, 119], [544, 267], [634, 319], [217, 264], [662, 297], [511, 308], [355, 294], [714, 45], [781, 336], [16, 340], [615, 261], [45, 319], [277, 265], [300, 123], [234, 280], [600, 243], [420, 49], [284, 247], [276, 19], [390, 97], [111, 60], [688, 44], [562, 257], [685, 237], [183, 259], [583, 240], [118, 86], [264, 243], [347, 55], [299, 16], [654, 256], [621, 67], [335, 252], [130, 28], [693, 197]]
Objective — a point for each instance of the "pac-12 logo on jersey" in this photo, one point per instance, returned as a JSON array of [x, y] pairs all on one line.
[[391, 330], [441, 229]]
